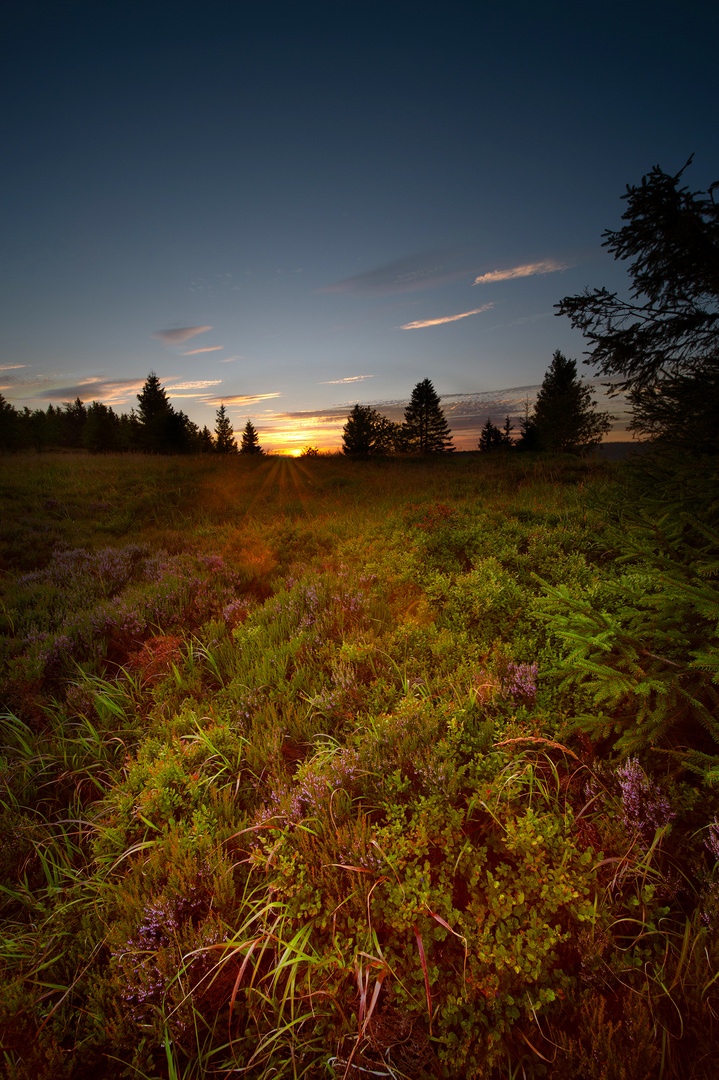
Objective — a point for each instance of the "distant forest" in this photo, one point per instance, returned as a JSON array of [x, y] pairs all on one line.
[[564, 418], [154, 427]]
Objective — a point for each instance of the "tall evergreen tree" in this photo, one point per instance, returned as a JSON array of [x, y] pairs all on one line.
[[250, 440], [359, 434], [224, 435], [155, 414], [565, 417], [663, 342], [427, 430]]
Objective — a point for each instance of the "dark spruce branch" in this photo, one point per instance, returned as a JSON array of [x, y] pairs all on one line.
[[669, 325]]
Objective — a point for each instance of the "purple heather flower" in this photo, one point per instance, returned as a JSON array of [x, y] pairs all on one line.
[[645, 806], [712, 842], [520, 681]]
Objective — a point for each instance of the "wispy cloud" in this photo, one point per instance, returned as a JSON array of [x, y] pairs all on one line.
[[548, 266], [349, 379], [111, 392], [420, 323], [11, 367], [242, 399], [207, 348], [425, 270], [229, 359], [183, 333], [200, 384]]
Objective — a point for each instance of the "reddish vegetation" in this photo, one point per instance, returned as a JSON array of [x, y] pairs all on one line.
[[156, 656]]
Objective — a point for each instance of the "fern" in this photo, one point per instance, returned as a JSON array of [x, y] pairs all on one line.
[[649, 657]]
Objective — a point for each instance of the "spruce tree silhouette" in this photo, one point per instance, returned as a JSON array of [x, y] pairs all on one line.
[[224, 435], [155, 414], [663, 343], [425, 424], [360, 432], [565, 417], [250, 440]]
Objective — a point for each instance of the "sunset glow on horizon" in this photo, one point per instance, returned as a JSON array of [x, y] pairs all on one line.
[[346, 231]]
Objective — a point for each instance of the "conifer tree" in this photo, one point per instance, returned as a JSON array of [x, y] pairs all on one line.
[[663, 342], [224, 435], [565, 417], [250, 440], [205, 442], [494, 438], [155, 414], [425, 425], [359, 435]]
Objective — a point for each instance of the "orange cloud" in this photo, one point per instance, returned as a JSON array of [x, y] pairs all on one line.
[[549, 266], [447, 318], [11, 367], [208, 348], [242, 399], [200, 384]]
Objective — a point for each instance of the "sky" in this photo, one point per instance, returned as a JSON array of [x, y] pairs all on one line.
[[291, 207]]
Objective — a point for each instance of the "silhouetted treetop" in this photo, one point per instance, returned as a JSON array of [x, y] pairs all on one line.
[[564, 417], [425, 425], [250, 440], [225, 442], [669, 326]]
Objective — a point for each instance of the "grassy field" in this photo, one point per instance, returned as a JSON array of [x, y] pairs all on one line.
[[323, 768]]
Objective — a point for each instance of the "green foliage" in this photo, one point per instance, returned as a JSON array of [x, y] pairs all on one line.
[[297, 794], [643, 643]]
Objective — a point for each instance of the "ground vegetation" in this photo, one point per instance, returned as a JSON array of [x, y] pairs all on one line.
[[314, 770]]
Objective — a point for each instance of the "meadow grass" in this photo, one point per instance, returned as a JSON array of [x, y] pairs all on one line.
[[309, 769]]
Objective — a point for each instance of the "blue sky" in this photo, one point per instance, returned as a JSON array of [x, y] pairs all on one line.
[[292, 207]]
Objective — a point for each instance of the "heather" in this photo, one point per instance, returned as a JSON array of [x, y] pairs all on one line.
[[335, 768]]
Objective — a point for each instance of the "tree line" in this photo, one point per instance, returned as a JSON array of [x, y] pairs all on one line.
[[661, 346], [155, 427], [564, 418]]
